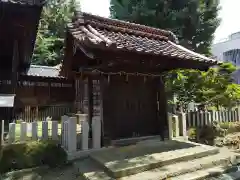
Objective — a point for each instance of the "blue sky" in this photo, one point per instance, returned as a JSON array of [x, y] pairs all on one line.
[[229, 14]]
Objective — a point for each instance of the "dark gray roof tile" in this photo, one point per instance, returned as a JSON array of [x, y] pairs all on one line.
[[119, 35]]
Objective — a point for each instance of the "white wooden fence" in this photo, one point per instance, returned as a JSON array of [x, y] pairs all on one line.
[[199, 119], [178, 124], [66, 134]]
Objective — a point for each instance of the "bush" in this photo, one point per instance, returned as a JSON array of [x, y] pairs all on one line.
[[192, 133], [31, 154], [234, 127], [207, 135], [224, 125]]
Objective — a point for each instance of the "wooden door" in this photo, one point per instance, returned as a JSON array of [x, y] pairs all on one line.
[[130, 108]]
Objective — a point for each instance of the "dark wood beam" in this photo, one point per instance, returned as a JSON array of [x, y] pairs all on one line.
[[150, 59]]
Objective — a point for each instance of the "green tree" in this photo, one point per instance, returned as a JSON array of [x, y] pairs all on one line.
[[214, 87], [51, 33], [193, 21]]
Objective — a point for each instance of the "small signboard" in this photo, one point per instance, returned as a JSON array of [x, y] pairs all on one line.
[[7, 100]]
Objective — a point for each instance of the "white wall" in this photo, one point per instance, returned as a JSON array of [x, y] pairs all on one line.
[[219, 48], [233, 42]]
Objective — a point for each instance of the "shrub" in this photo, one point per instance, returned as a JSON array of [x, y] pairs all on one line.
[[31, 154], [192, 133], [230, 127], [207, 134], [234, 127]]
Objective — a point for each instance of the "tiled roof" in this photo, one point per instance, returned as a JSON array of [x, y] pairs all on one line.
[[44, 71], [114, 34], [26, 2]]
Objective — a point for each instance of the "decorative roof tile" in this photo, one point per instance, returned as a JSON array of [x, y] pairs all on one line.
[[114, 34]]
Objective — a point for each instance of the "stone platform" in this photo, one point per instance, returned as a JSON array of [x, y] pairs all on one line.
[[155, 160]]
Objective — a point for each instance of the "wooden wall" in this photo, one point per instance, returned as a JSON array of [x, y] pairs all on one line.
[[39, 91]]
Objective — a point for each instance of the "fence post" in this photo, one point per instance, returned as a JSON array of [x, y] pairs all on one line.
[[176, 122], [63, 130], [205, 118], [189, 118], [54, 130], [11, 134], [227, 116], [217, 116], [72, 134], [223, 116], [238, 114], [23, 131], [96, 133], [198, 118], [44, 130], [170, 124], [201, 119], [230, 115], [84, 130], [210, 117], [235, 116], [213, 116], [194, 117], [65, 135], [183, 124], [34, 130]]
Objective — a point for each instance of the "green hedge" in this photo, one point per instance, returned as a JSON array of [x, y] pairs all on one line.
[[31, 154]]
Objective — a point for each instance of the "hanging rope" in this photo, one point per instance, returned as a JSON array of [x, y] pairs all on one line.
[[126, 73]]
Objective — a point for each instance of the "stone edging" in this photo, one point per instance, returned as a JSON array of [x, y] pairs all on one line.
[[23, 171]]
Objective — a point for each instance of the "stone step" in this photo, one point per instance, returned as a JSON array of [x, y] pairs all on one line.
[[123, 164], [202, 174], [197, 169], [173, 170], [216, 173], [233, 174], [87, 169]]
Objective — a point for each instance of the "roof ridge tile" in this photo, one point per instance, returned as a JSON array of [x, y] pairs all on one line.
[[109, 23]]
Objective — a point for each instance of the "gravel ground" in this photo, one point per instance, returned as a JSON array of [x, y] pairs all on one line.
[[66, 173]]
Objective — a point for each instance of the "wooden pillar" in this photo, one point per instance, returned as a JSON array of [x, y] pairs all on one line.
[[14, 77], [68, 55], [90, 102], [162, 112], [101, 110]]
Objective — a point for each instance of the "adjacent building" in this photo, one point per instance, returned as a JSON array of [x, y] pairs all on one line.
[[22, 84], [229, 50]]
